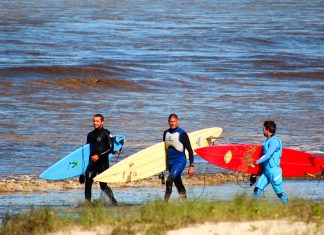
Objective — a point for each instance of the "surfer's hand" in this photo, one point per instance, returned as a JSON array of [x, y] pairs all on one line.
[[191, 171], [252, 165], [94, 158]]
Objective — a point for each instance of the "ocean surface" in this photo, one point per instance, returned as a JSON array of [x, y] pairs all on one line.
[[231, 64]]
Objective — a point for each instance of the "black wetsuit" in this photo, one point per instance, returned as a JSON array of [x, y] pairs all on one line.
[[101, 144]]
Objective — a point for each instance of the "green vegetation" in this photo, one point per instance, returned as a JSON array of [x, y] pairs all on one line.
[[36, 221], [153, 217]]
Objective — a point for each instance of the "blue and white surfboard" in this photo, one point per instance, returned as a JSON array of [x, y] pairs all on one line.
[[75, 163]]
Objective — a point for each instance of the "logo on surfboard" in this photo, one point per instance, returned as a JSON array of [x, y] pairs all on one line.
[[228, 157], [74, 164]]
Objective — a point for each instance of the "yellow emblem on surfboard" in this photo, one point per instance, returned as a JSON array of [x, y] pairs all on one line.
[[228, 157]]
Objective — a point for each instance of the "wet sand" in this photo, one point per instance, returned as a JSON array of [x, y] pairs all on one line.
[[25, 183]]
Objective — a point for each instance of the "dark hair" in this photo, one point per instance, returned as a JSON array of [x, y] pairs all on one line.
[[173, 115], [99, 115], [271, 126]]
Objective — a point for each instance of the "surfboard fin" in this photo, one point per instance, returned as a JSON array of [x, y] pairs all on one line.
[[162, 178], [211, 139], [309, 174], [82, 179], [252, 179]]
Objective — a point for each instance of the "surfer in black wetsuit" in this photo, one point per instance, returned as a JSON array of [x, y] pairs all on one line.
[[100, 146]]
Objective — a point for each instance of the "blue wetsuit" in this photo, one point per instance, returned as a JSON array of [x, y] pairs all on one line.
[[176, 141], [272, 173]]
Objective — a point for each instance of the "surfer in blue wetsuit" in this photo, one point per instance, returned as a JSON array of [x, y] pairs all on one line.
[[272, 173], [176, 141], [100, 146]]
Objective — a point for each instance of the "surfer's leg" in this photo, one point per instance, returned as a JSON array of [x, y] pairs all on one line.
[[89, 175], [177, 170], [104, 186], [169, 182], [276, 182], [180, 187], [260, 186], [168, 187], [283, 197]]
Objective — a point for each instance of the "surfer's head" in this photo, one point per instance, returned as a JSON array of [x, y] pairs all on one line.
[[269, 128], [98, 121], [173, 121]]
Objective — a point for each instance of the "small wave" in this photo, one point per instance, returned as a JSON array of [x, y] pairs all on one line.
[[203, 79], [250, 41], [4, 84], [59, 71], [91, 84], [315, 75]]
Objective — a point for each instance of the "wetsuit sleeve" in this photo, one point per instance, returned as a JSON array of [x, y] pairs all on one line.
[[109, 145], [273, 146], [186, 143], [110, 142], [88, 139]]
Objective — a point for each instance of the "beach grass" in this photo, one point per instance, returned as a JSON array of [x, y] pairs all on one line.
[[157, 217]]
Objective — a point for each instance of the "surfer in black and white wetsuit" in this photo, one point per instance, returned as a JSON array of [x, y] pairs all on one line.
[[176, 141], [100, 146]]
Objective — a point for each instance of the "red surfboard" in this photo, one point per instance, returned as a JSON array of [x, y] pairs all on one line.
[[238, 157]]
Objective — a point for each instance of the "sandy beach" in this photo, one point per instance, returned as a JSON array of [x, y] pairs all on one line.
[[269, 227], [266, 227]]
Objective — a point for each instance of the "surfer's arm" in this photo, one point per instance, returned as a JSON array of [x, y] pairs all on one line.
[[110, 145], [273, 146], [103, 153], [187, 145], [96, 157], [110, 141]]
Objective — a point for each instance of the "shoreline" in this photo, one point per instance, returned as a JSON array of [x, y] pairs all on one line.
[[29, 184]]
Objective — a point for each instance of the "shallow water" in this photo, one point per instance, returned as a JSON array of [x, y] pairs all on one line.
[[20, 202]]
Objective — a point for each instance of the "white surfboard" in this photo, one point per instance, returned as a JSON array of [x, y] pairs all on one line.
[[152, 160]]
